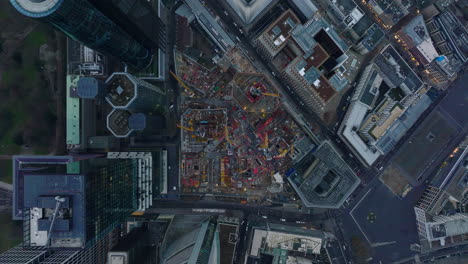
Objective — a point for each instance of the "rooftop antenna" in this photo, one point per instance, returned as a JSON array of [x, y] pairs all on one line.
[[58, 200]]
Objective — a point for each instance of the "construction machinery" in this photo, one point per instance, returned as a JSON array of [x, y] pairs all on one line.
[[271, 94], [186, 128], [284, 152], [186, 88], [226, 135], [265, 141]]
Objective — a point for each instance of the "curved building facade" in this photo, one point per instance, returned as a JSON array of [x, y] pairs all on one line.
[[80, 20]]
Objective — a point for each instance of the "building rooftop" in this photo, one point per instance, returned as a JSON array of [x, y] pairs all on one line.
[[280, 30], [396, 72], [390, 12], [372, 37], [34, 200], [122, 90], [39, 8], [457, 33], [118, 123], [285, 243], [322, 179], [89, 88], [248, 10], [401, 125], [417, 38], [210, 25], [307, 8]]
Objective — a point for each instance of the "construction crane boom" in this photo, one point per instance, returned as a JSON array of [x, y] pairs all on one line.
[[179, 80], [271, 94], [186, 128]]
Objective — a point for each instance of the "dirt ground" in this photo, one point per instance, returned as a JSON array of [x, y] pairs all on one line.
[[394, 180]]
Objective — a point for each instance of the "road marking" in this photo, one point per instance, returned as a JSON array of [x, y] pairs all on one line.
[[354, 219]]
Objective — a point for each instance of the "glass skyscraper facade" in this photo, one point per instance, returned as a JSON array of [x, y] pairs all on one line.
[[81, 21], [98, 194]]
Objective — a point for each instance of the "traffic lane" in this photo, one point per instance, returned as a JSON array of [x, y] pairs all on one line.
[[456, 102]]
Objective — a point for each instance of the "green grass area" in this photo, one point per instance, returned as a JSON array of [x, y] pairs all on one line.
[[36, 39], [25, 94], [6, 171], [11, 234]]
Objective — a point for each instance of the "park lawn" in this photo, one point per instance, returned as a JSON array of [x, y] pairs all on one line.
[[11, 232], [6, 171]]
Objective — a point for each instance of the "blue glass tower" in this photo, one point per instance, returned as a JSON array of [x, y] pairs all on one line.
[[81, 21]]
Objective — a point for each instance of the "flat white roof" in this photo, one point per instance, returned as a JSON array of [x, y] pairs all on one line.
[[37, 7], [277, 239]]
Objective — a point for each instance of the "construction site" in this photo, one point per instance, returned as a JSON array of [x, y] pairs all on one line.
[[237, 139], [237, 143]]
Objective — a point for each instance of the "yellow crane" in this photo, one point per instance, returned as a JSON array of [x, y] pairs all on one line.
[[179, 80], [282, 154], [186, 128], [271, 94], [226, 135], [265, 141]]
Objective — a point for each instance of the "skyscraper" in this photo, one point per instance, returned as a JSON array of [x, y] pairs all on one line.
[[72, 205], [82, 21], [127, 92]]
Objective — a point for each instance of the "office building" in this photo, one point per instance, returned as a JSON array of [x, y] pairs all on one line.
[[196, 10], [449, 191], [385, 104], [450, 39], [126, 92], [80, 20], [90, 88], [442, 210], [344, 13], [96, 254], [275, 243], [71, 206], [417, 42], [132, 249], [84, 61], [248, 12], [322, 178], [139, 18], [309, 57], [189, 239]]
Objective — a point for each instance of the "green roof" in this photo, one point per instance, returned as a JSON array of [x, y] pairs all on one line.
[[73, 112]]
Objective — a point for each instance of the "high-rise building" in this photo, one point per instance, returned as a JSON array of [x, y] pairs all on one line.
[[127, 92], [82, 21], [71, 206], [194, 246], [309, 57], [137, 17]]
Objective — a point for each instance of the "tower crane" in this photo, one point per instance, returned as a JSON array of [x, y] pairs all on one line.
[[179, 80]]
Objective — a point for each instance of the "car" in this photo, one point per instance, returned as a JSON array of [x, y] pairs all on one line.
[[274, 74], [300, 222], [174, 188], [168, 167], [381, 168], [226, 13], [283, 220], [264, 216]]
